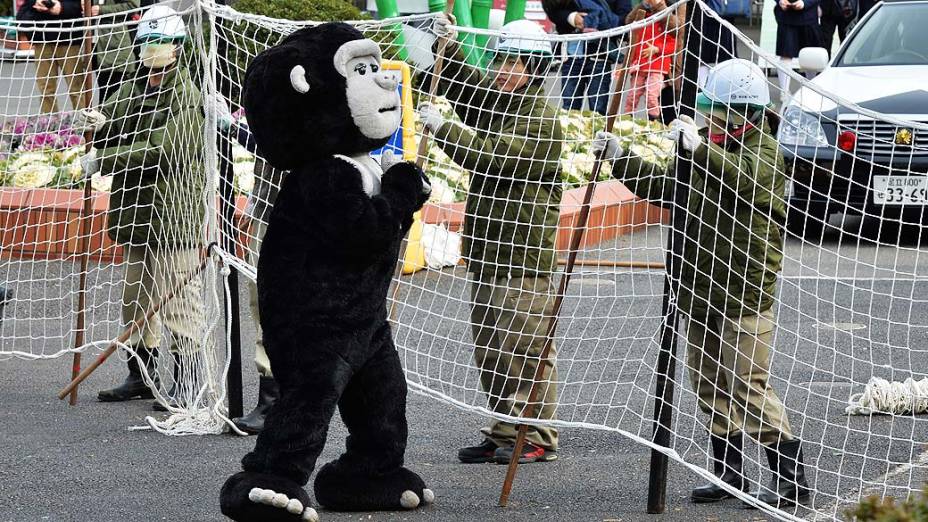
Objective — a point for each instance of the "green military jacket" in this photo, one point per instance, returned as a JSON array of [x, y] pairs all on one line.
[[733, 247], [114, 45], [152, 144], [511, 145]]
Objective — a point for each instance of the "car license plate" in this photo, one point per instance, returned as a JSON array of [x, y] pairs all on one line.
[[900, 190]]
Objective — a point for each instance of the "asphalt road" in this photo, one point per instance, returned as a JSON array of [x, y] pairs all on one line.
[[836, 329]]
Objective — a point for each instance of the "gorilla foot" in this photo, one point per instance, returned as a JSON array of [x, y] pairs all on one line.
[[258, 497], [341, 488]]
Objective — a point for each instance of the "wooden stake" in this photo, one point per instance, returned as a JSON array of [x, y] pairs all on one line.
[[127, 333], [83, 240], [576, 237]]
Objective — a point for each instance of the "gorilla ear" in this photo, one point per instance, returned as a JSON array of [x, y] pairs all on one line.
[[298, 79]]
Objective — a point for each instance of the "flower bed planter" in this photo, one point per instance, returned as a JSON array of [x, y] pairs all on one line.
[[45, 224]]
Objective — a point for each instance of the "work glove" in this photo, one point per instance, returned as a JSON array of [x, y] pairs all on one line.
[[431, 117], [608, 142], [90, 165], [216, 104], [442, 27], [86, 120], [684, 127]]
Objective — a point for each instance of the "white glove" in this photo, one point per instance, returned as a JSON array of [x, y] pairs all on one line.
[[218, 105], [431, 117], [86, 120], [442, 27], [685, 127], [608, 142], [388, 158], [90, 164]]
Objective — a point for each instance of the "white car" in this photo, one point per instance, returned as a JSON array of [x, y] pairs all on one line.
[[844, 161]]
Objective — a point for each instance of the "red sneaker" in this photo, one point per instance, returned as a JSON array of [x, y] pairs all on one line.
[[530, 453]]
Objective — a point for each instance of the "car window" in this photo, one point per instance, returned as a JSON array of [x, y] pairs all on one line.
[[894, 35]]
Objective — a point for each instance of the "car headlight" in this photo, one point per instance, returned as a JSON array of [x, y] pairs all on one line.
[[801, 128]]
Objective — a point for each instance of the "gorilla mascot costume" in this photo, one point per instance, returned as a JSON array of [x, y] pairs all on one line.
[[317, 104]]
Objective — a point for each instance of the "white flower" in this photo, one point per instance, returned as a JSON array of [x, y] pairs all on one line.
[[441, 191], [244, 176], [101, 183], [624, 128], [71, 154], [240, 153], [33, 175], [29, 158]]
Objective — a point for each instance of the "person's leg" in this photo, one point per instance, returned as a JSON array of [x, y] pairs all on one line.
[[370, 475], [184, 317], [600, 86], [491, 361], [711, 386], [268, 391], [783, 78], [635, 91], [136, 301], [571, 71], [46, 78], [746, 345], [828, 24], [525, 313], [74, 70], [654, 84]]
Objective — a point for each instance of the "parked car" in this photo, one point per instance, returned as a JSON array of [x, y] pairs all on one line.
[[844, 160]]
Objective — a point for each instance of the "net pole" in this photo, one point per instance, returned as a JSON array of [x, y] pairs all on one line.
[[83, 241], [576, 236], [666, 358], [421, 155], [234, 386], [134, 327]]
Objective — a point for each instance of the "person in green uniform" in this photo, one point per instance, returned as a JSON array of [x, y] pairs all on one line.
[[732, 255], [113, 59], [149, 137], [510, 142]]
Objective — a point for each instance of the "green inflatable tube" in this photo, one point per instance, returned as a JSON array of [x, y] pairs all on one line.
[[480, 13], [388, 9], [472, 53], [515, 10]]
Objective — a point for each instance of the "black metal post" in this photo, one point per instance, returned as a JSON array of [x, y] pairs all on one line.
[[234, 386], [666, 359]]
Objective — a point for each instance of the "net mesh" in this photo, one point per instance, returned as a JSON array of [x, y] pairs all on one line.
[[807, 253]]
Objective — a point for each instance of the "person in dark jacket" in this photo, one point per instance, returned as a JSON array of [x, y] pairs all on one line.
[[797, 27], [716, 43], [58, 51], [587, 71], [837, 14], [114, 61], [510, 142]]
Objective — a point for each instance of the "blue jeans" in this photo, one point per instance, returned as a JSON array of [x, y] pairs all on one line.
[[584, 78]]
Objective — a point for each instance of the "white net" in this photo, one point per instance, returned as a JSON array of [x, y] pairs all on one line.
[[829, 311], [148, 222]]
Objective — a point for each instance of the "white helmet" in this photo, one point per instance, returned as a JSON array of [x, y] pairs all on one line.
[[161, 23], [523, 37], [735, 82]]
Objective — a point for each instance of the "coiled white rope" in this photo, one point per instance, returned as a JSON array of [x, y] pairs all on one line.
[[891, 398]]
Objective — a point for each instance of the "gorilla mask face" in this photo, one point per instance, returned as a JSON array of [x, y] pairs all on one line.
[[371, 93]]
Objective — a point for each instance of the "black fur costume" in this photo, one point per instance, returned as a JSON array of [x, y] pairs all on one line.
[[325, 267]]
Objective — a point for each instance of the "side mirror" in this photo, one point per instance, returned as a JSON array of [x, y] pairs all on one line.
[[813, 59]]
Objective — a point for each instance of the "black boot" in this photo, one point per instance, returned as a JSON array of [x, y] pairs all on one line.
[[180, 390], [726, 463], [253, 423], [134, 386], [788, 485]]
